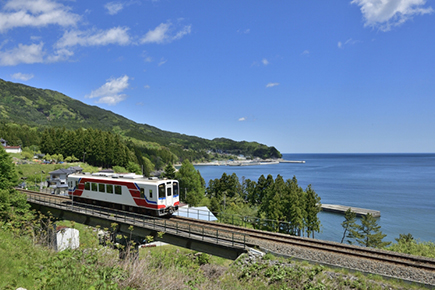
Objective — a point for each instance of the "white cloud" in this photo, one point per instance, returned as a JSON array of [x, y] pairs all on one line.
[[114, 7], [157, 35], [164, 34], [162, 61], [350, 41], [306, 52], [269, 85], [265, 61], [146, 87], [117, 35], [35, 13], [60, 55], [246, 31], [385, 14], [32, 53], [111, 92], [22, 77], [186, 30], [242, 119]]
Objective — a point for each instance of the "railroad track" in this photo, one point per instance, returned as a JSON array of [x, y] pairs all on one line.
[[375, 261], [332, 247]]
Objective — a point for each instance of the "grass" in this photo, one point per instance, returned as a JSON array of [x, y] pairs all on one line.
[[17, 255], [424, 249], [166, 267]]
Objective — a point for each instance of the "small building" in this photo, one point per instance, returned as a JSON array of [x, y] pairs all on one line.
[[200, 213], [10, 149], [58, 179]]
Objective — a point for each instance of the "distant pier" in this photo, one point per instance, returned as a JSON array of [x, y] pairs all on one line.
[[343, 208], [291, 161]]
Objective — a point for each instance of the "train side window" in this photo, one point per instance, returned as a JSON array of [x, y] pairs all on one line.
[[87, 186], [175, 187], [168, 191], [151, 193], [109, 188], [74, 184], [142, 193], [94, 186], [118, 189], [162, 191], [101, 187]]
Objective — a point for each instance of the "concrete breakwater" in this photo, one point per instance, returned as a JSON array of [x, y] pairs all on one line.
[[335, 208]]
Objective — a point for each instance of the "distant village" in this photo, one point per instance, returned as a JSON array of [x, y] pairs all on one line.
[[57, 183]]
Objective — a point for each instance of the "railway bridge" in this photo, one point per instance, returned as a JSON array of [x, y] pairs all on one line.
[[218, 242]]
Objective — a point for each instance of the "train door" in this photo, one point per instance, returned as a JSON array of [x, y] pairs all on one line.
[[169, 193]]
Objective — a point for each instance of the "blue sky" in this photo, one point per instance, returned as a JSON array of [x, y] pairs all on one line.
[[303, 76]]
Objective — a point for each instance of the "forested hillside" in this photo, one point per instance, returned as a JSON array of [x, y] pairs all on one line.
[[35, 110]]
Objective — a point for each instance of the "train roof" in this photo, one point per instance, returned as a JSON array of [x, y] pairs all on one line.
[[128, 177]]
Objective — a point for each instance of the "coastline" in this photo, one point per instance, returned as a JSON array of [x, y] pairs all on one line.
[[247, 162]]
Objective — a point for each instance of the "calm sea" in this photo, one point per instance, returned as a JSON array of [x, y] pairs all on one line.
[[400, 186]]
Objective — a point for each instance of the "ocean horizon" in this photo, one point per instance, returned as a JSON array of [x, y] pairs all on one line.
[[399, 185]]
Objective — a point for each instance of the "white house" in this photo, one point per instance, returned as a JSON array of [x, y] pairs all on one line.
[[58, 179], [10, 149]]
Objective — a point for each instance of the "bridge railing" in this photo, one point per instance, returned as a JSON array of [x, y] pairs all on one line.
[[239, 220], [198, 232]]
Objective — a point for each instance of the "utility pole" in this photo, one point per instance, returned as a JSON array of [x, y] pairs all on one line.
[[84, 154]]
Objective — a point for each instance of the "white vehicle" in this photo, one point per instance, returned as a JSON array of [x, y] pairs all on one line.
[[130, 192]]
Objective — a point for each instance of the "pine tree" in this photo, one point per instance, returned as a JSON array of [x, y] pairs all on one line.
[[190, 182], [169, 171], [349, 225], [369, 233], [312, 208], [295, 205]]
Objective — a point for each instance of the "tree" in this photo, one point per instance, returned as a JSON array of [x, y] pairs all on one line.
[[349, 225], [272, 206], [134, 168], [169, 171], [190, 183], [8, 175], [312, 208], [295, 206], [147, 166], [12, 203], [369, 233], [405, 239]]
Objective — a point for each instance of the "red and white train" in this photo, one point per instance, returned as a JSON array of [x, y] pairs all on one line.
[[126, 192]]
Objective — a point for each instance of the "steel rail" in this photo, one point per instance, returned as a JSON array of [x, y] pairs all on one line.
[[332, 247]]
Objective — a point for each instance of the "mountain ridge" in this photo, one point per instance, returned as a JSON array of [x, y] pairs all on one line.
[[47, 108]]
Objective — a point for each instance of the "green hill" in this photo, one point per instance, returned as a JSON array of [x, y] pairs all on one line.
[[42, 109]]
